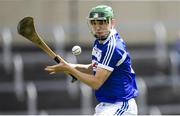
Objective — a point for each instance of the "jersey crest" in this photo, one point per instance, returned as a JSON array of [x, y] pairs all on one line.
[[97, 53]]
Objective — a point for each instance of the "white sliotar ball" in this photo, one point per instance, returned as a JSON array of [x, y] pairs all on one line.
[[76, 50]]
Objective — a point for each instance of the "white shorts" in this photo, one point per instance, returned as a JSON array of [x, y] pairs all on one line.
[[116, 109]]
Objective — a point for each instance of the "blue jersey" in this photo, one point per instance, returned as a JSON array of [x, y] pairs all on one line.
[[112, 56]]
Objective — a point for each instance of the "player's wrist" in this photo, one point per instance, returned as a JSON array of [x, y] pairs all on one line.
[[72, 65]]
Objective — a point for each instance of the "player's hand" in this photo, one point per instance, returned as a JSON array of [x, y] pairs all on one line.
[[63, 66]]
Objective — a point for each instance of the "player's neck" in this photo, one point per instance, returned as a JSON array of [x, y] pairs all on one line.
[[101, 41]]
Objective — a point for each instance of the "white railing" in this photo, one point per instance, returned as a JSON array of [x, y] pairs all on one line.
[[18, 77], [160, 44], [31, 99], [142, 97], [59, 39], [7, 53], [174, 62], [86, 101]]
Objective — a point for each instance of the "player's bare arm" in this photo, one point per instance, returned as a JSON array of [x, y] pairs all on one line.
[[86, 68], [94, 81]]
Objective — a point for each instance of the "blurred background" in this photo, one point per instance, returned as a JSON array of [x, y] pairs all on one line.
[[151, 30]]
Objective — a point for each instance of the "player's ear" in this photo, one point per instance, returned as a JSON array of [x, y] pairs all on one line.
[[113, 22]]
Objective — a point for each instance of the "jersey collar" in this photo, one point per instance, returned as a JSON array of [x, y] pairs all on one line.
[[112, 32]]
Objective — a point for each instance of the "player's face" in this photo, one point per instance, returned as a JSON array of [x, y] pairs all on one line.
[[100, 28]]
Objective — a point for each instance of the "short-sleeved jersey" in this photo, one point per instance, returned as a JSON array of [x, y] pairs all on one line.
[[112, 56]]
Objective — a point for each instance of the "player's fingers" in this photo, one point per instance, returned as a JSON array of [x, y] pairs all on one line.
[[49, 69], [52, 73], [52, 67]]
